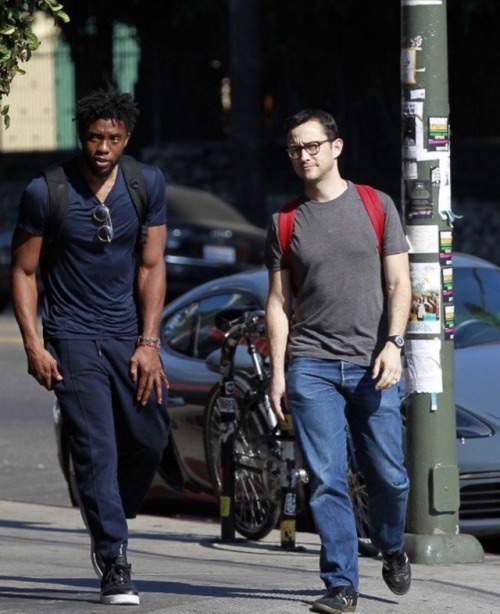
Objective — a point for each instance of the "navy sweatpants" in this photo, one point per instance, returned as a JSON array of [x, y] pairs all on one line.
[[115, 443]]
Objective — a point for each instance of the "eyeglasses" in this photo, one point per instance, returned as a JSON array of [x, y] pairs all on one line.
[[311, 148], [105, 232]]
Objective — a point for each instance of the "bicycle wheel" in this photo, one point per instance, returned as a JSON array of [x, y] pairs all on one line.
[[256, 460]]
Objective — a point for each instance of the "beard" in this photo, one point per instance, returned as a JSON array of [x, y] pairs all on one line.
[[98, 173]]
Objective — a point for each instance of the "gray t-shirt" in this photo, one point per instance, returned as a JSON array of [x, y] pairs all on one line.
[[340, 311]]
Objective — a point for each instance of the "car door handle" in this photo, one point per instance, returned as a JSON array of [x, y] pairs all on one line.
[[177, 401]]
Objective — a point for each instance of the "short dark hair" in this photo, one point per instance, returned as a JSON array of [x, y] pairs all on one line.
[[306, 115], [106, 104]]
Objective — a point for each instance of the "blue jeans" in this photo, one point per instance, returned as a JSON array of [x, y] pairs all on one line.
[[325, 395], [116, 444]]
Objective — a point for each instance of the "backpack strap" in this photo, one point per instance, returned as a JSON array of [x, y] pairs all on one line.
[[375, 211], [57, 184], [286, 218], [136, 187]]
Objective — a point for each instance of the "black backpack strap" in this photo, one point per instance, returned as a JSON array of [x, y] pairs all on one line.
[[57, 183], [58, 200], [137, 189]]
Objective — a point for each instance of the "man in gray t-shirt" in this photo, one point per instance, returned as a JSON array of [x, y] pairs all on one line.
[[344, 349]]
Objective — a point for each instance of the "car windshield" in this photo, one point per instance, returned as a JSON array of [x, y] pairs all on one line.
[[192, 205], [477, 305]]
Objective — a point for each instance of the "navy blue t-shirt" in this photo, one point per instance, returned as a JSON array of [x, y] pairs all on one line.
[[89, 285]]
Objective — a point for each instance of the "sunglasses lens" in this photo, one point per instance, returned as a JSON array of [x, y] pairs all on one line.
[[101, 213], [105, 234]]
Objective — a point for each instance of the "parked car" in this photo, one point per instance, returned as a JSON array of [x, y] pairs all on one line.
[[189, 335], [207, 238]]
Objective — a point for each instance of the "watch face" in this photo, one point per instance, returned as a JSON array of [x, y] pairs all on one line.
[[398, 340]]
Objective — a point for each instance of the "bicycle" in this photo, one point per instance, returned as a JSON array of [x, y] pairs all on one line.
[[258, 462]]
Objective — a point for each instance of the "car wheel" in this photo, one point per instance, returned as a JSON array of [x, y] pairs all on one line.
[[257, 481]]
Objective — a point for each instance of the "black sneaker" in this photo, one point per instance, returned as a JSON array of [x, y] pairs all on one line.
[[338, 599], [396, 571], [117, 587]]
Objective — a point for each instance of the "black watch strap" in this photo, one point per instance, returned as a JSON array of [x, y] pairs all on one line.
[[398, 340]]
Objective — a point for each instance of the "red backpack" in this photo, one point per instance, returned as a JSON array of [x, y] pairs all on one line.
[[286, 218]]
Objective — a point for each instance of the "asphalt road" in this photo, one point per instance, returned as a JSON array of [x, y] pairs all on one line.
[[29, 469]]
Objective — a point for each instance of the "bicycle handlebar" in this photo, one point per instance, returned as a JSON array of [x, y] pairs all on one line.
[[239, 321], [236, 324]]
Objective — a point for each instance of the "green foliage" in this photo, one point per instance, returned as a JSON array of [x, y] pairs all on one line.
[[17, 40]]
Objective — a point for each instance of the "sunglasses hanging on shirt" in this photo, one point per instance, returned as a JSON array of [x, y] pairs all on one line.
[[102, 215]]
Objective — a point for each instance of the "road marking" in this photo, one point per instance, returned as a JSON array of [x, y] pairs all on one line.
[[13, 340]]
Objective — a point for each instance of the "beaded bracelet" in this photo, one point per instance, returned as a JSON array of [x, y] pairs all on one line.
[[152, 342]]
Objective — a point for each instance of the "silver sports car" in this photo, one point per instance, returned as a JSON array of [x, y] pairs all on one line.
[[189, 335]]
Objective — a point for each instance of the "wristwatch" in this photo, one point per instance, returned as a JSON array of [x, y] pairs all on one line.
[[398, 341]]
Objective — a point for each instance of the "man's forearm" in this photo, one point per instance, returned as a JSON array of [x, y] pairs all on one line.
[[399, 307], [277, 325], [152, 288], [25, 307]]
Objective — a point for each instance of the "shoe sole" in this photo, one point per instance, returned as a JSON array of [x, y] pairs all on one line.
[[397, 591], [329, 610], [120, 600]]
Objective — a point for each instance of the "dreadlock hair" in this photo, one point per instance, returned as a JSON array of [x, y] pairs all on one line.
[[110, 104]]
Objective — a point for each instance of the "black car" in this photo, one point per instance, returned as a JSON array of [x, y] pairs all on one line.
[[207, 238]]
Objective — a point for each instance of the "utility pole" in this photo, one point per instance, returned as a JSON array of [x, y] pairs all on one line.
[[432, 523]]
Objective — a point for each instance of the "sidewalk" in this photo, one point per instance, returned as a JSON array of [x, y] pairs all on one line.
[[180, 568]]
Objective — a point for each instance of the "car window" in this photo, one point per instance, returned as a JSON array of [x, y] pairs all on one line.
[[191, 330], [193, 205], [477, 294], [477, 306]]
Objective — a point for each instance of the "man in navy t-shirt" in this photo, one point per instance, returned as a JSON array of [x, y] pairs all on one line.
[[104, 293]]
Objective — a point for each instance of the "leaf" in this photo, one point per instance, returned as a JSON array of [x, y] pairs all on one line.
[[64, 17], [5, 54], [17, 39], [7, 30]]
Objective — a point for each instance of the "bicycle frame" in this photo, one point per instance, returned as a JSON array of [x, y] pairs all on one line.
[[237, 325]]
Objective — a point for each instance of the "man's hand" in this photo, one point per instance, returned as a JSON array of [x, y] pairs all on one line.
[[146, 369], [43, 367], [277, 395], [387, 368]]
